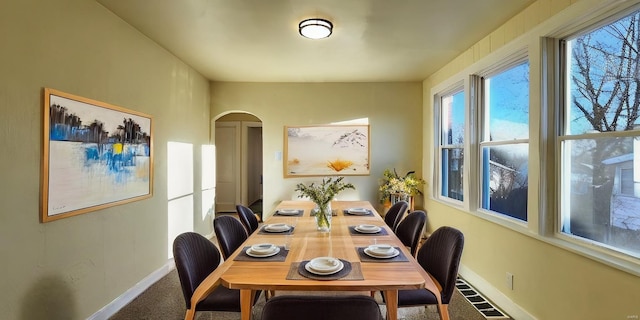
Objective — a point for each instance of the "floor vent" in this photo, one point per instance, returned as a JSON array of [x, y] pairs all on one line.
[[476, 299]]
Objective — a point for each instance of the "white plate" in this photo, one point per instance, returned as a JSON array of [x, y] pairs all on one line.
[[277, 227], [358, 211], [370, 253], [250, 253], [368, 229], [381, 249], [323, 266], [263, 248], [286, 212]]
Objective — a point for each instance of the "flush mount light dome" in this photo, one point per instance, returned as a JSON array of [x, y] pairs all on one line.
[[315, 28]]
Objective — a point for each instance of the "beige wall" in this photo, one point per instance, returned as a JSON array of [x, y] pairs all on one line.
[[70, 268], [550, 282], [392, 109]]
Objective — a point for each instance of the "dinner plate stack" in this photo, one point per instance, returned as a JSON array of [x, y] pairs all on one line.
[[367, 228], [324, 265], [358, 211], [277, 227], [288, 212], [262, 250], [381, 251]]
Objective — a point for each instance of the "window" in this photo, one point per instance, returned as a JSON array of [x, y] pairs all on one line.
[[599, 137], [504, 146], [451, 144]]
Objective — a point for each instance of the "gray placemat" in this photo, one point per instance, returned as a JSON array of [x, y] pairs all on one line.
[[366, 258], [290, 231], [346, 213], [351, 271], [299, 214], [279, 257], [353, 232]]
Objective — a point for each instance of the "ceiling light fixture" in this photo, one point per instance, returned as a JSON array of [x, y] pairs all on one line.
[[315, 28]]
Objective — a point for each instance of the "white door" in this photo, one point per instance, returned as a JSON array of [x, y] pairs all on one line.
[[228, 166]]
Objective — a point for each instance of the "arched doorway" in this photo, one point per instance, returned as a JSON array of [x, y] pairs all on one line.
[[238, 140]]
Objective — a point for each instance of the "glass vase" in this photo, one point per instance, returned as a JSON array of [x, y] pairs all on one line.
[[323, 217]]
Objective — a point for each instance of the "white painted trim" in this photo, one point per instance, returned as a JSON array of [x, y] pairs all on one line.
[[211, 235], [118, 303], [496, 296]]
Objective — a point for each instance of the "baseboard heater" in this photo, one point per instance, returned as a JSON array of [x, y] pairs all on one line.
[[486, 308]]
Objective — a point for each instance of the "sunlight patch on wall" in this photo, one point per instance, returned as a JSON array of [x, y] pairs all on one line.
[[179, 219], [208, 180], [179, 169], [179, 191], [354, 121]]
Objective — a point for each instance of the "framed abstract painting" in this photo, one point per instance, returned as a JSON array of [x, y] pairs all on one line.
[[95, 155], [326, 150]]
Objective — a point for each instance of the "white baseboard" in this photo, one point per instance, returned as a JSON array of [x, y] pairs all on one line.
[[496, 296], [118, 303]]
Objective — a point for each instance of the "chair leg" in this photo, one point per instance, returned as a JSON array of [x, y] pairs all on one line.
[[373, 294], [268, 294], [443, 310], [190, 315]]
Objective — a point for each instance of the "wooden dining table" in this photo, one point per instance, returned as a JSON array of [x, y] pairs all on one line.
[[304, 243]]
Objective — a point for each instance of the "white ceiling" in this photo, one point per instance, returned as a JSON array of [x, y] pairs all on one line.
[[372, 40]]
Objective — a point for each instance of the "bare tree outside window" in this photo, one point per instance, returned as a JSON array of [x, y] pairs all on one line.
[[602, 109]]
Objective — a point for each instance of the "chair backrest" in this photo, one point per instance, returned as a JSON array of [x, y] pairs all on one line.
[[410, 229], [394, 215], [230, 234], [440, 256], [294, 307], [195, 257], [248, 218]]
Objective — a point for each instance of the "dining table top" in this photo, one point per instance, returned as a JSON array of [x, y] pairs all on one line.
[[304, 242]]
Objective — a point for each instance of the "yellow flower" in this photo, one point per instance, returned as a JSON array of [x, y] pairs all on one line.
[[392, 183]]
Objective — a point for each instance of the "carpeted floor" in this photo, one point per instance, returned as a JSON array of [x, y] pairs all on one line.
[[164, 300]]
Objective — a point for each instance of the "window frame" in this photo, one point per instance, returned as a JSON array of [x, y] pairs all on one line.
[[512, 61], [459, 86], [601, 251], [542, 45]]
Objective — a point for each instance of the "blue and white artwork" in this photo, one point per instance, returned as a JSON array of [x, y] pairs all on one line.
[[98, 155]]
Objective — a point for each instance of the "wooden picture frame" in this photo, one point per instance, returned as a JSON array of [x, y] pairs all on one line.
[[95, 155], [326, 150]]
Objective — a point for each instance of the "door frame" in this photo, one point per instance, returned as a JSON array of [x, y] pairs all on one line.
[[244, 196], [236, 172]]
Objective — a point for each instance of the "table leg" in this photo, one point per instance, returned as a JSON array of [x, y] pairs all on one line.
[[246, 303], [391, 299]]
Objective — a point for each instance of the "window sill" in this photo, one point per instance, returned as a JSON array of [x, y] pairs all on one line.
[[605, 256]]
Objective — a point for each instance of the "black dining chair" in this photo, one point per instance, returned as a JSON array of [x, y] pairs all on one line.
[[394, 215], [440, 257], [230, 234], [410, 229], [248, 218], [196, 257], [295, 307]]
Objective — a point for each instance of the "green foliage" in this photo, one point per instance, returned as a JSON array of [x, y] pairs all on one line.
[[324, 192], [392, 183]]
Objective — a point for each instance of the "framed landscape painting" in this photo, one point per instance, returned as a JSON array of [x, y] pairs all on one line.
[[95, 155], [326, 150]]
